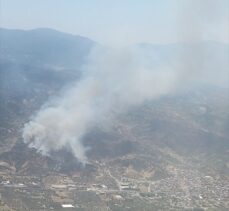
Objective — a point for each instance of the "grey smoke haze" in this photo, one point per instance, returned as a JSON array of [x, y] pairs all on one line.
[[197, 19], [113, 80]]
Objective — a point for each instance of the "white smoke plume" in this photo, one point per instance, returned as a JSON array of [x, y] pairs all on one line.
[[115, 80], [112, 81]]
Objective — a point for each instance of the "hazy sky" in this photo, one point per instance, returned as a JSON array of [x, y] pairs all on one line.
[[123, 22]]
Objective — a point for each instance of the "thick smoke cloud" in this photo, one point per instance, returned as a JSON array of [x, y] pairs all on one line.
[[113, 80]]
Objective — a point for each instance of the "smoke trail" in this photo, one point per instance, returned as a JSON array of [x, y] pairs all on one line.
[[113, 80]]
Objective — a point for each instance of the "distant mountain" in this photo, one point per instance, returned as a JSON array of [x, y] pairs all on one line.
[[44, 47], [35, 64], [37, 55]]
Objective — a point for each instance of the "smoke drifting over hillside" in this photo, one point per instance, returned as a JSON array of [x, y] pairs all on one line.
[[112, 82]]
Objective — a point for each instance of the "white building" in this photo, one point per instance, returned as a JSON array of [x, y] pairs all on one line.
[[67, 206]]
